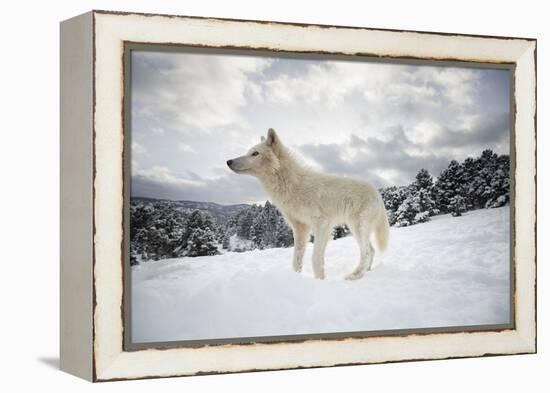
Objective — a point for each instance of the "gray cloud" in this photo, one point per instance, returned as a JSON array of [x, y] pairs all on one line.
[[228, 188], [488, 130], [187, 92], [371, 156]]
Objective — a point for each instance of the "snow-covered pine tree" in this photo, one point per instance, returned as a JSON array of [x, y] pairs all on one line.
[[476, 188], [201, 219], [418, 206], [202, 223], [245, 220], [340, 231], [447, 186], [487, 163], [201, 242], [423, 180], [139, 246], [140, 223], [173, 224], [424, 195], [271, 220], [158, 241], [457, 205], [155, 230], [407, 211], [425, 205], [258, 229], [284, 236], [501, 182], [470, 170], [393, 197]]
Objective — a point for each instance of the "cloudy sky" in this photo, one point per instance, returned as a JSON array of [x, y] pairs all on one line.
[[377, 121]]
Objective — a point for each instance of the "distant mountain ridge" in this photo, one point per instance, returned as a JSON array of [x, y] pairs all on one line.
[[215, 208]]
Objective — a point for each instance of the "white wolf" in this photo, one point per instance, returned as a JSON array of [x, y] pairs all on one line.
[[312, 202]]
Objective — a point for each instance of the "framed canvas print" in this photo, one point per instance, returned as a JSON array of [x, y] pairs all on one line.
[[248, 195]]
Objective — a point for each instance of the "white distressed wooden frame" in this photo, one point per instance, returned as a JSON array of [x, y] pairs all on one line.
[[92, 194]]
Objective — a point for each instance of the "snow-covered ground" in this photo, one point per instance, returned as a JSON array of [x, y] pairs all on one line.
[[451, 271]]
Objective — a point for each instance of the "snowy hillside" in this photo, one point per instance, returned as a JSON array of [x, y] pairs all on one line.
[[447, 272]]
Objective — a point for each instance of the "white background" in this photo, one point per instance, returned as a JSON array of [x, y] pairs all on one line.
[[29, 150]]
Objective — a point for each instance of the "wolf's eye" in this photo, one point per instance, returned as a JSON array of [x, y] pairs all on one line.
[[255, 154]]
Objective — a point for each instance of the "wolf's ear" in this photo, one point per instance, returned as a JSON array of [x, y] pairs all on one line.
[[272, 138], [262, 139]]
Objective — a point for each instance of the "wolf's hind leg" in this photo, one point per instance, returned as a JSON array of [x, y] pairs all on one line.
[[321, 233], [362, 235], [301, 236]]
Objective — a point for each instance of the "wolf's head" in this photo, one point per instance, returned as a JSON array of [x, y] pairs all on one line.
[[262, 159]]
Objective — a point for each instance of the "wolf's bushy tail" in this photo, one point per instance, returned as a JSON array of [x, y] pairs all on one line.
[[382, 230]]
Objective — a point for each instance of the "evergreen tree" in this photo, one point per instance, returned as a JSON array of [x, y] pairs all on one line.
[[201, 242], [418, 206], [155, 230], [424, 191], [393, 197], [497, 190], [470, 171], [447, 186], [425, 202], [200, 219], [284, 236], [340, 231], [199, 237], [423, 180], [244, 222], [500, 183], [476, 189], [264, 226], [258, 229], [457, 205], [405, 214], [139, 246], [271, 216]]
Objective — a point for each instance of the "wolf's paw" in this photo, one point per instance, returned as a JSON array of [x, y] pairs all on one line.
[[355, 276], [297, 267]]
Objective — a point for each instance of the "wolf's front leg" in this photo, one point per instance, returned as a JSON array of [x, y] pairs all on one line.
[[301, 236], [321, 233]]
